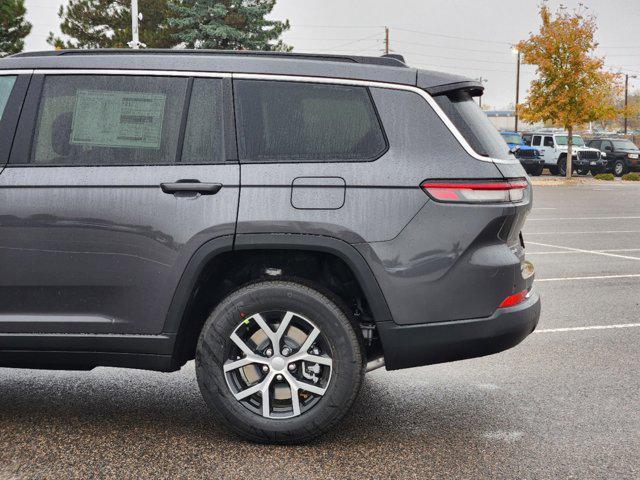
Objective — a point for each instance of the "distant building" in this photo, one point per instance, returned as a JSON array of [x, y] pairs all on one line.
[[505, 120]]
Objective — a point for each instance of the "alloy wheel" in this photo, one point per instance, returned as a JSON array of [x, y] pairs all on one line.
[[278, 365]]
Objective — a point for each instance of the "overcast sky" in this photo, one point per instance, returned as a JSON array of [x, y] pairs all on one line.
[[469, 37]]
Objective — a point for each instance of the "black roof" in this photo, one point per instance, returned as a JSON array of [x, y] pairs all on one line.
[[390, 69]]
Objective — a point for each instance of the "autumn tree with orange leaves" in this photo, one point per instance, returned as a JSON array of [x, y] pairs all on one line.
[[571, 87]]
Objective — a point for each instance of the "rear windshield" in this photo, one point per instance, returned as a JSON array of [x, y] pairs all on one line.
[[473, 124]]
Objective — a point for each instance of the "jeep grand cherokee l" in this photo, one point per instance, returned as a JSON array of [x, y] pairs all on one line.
[[288, 221]]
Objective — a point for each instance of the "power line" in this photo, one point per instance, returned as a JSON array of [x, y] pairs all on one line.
[[418, 44], [457, 58], [352, 42], [453, 36]]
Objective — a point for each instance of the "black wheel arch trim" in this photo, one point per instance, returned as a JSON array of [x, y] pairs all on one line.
[[321, 243], [274, 241]]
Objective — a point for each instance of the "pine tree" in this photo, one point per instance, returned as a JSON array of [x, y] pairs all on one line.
[[227, 24], [107, 24], [13, 26]]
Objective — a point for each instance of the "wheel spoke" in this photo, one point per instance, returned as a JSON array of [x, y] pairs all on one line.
[[258, 387], [248, 360], [270, 333], [283, 327], [322, 360], [266, 400], [295, 400], [299, 385], [241, 345], [309, 341]]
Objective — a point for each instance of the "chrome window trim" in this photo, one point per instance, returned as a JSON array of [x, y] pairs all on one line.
[[289, 78], [367, 83], [16, 72]]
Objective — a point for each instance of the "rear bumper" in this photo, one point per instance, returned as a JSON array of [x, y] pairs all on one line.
[[414, 345]]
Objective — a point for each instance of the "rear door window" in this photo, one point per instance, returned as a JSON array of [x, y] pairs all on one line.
[[108, 120], [295, 121], [548, 141]]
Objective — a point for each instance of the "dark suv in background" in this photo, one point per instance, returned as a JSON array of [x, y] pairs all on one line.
[[290, 221], [621, 154]]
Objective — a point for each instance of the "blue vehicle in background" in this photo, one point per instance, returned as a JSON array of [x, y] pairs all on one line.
[[529, 157]]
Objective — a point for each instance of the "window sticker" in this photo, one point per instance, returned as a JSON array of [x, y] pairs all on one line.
[[118, 119]]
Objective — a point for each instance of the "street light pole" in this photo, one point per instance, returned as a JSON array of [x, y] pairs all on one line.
[[626, 99], [516, 51], [135, 32]]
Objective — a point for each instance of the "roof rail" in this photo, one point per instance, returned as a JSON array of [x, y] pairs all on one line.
[[390, 61]]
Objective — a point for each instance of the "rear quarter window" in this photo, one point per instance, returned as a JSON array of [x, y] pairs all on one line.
[[295, 121], [473, 124]]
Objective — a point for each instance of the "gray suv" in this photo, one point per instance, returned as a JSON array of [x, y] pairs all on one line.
[[288, 221]]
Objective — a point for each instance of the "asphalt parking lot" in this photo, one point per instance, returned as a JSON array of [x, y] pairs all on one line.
[[564, 403]]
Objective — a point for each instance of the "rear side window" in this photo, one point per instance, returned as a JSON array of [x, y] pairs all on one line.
[[108, 120], [473, 124], [292, 121], [6, 86]]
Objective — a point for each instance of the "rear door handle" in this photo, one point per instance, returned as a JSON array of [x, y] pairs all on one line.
[[191, 186]]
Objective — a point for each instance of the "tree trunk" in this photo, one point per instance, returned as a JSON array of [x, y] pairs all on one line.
[[569, 165]]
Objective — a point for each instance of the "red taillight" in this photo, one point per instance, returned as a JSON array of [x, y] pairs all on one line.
[[515, 299], [489, 191]]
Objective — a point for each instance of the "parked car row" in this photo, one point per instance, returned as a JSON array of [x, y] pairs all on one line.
[[544, 149]]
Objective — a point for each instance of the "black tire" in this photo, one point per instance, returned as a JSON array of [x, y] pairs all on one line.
[[337, 331], [583, 171], [562, 166], [536, 171], [619, 168]]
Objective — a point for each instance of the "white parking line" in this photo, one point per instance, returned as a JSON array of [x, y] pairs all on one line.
[[594, 277], [572, 252], [553, 253], [583, 218], [594, 252], [581, 232], [592, 327]]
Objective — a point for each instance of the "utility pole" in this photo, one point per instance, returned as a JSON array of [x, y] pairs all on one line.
[[386, 40], [516, 51], [626, 99], [135, 32]]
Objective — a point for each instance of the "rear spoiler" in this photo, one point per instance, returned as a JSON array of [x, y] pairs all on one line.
[[439, 83], [472, 87]]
